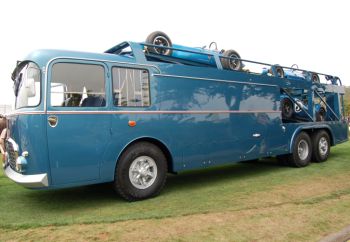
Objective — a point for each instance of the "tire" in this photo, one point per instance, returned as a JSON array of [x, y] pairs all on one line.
[[161, 39], [302, 151], [321, 114], [315, 78], [321, 146], [231, 64], [279, 72], [133, 180], [287, 108]]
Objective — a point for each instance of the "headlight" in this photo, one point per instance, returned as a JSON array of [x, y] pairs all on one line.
[[21, 164]]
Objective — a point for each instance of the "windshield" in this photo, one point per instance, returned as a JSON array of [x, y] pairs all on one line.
[[27, 85]]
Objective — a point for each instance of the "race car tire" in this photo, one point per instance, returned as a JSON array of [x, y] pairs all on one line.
[[161, 39], [231, 64], [315, 78], [321, 114], [287, 108]]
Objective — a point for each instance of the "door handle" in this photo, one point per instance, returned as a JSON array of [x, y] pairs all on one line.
[[53, 120], [256, 135]]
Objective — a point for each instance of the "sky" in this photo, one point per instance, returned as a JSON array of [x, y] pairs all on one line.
[[313, 34]]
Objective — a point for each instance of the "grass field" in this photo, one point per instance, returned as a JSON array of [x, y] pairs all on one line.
[[240, 202]]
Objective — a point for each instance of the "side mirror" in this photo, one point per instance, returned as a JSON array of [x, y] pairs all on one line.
[[30, 87]]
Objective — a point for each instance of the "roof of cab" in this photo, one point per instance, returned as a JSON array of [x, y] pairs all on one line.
[[42, 57]]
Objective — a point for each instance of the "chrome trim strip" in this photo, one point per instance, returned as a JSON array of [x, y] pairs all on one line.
[[163, 112], [30, 181], [24, 113], [216, 80], [147, 112]]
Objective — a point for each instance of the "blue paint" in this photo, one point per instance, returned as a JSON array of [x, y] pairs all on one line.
[[204, 116]]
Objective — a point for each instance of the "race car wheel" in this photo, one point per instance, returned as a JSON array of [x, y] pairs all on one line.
[[286, 108], [315, 78], [279, 71], [321, 114], [161, 39], [234, 64]]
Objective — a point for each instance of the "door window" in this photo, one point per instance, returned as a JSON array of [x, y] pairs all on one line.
[[77, 85]]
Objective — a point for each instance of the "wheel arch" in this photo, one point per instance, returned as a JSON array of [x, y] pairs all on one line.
[[160, 144], [310, 130]]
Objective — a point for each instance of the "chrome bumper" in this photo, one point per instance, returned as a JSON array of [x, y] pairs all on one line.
[[30, 181]]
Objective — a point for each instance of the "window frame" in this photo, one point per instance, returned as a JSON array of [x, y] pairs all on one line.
[[18, 71]]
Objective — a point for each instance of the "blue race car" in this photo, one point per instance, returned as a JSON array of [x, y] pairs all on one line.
[[159, 43]]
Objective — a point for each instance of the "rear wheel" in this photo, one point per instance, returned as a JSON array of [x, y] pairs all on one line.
[[287, 108], [315, 78], [140, 172], [161, 39], [321, 114], [302, 151], [235, 63], [321, 146]]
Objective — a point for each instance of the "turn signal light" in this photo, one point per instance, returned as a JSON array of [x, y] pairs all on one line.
[[132, 123]]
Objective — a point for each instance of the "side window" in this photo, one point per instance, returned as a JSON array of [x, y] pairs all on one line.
[[77, 85], [130, 87]]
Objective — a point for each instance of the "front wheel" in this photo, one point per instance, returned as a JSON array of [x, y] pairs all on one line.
[[302, 151], [321, 146], [232, 60], [140, 172]]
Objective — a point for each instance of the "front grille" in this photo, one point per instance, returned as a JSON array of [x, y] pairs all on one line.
[[12, 154]]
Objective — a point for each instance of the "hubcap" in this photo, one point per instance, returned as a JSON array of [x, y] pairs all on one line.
[[143, 172], [323, 146], [303, 150], [161, 41], [233, 62]]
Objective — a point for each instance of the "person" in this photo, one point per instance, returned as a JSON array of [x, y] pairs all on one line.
[[2, 136]]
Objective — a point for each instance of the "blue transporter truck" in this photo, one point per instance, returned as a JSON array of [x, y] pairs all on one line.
[[142, 110]]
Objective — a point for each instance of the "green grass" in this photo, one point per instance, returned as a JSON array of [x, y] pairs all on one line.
[[211, 190]]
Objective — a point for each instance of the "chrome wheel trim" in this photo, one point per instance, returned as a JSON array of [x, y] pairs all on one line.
[[143, 172], [161, 41], [303, 149], [233, 62], [323, 146]]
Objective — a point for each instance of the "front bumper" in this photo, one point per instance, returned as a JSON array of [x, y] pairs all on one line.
[[29, 181]]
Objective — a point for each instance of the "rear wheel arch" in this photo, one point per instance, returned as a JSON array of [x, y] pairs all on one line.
[[155, 142]]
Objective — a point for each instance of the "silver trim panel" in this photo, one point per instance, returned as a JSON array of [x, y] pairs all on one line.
[[149, 112], [29, 181]]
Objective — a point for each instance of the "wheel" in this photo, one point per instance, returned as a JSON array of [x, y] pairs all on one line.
[[302, 151], [161, 39], [286, 108], [231, 64], [315, 78], [321, 114], [321, 146], [140, 172], [279, 71]]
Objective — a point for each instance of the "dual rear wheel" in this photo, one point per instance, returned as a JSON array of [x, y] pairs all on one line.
[[306, 148]]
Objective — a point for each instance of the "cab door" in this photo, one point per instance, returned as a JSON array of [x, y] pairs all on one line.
[[78, 127]]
